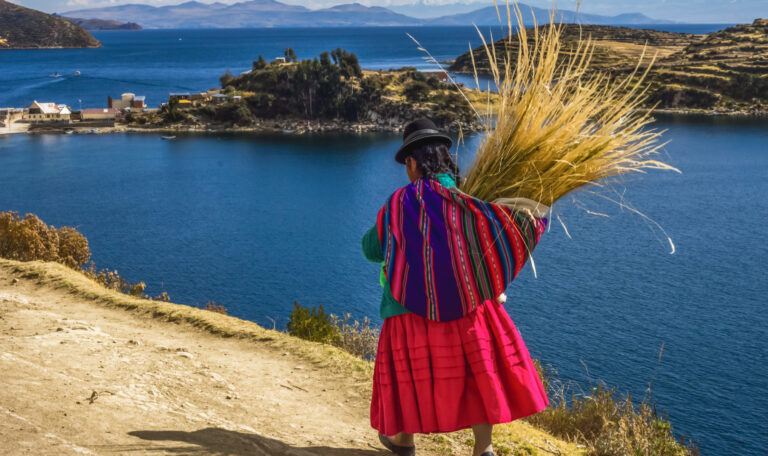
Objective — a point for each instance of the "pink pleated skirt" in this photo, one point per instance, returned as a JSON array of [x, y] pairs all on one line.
[[445, 376]]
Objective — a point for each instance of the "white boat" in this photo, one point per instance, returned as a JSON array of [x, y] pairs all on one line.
[[55, 74], [167, 137], [77, 73]]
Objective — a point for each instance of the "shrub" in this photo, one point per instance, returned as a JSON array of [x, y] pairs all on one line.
[[358, 338], [416, 91], [607, 425], [213, 307], [312, 324], [30, 239]]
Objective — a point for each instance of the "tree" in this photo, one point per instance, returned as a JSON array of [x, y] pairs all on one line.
[[260, 63], [226, 78], [290, 56]]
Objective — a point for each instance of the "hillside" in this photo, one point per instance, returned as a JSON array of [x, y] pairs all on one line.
[[88, 370], [724, 71], [24, 28], [102, 24]]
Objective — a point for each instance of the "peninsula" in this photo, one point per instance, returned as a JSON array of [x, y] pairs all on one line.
[[723, 72], [24, 28]]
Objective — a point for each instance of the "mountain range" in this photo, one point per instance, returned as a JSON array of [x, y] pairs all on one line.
[[271, 13]]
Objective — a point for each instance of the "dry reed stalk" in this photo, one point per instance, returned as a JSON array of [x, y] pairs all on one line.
[[558, 127]]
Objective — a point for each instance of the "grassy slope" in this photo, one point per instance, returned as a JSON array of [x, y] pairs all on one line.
[[24, 28], [726, 70], [514, 438]]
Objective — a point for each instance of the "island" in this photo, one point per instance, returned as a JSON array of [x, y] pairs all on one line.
[[721, 72], [25, 28], [327, 93]]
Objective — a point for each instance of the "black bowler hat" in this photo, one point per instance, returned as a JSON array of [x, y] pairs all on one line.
[[418, 132]]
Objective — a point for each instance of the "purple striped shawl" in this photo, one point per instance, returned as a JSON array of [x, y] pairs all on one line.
[[446, 252]]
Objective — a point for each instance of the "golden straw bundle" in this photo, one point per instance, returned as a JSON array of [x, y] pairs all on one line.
[[558, 126]]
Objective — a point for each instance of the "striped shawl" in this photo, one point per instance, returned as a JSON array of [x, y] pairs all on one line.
[[446, 252]]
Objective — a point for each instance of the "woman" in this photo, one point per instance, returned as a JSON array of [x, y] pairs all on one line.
[[449, 356]]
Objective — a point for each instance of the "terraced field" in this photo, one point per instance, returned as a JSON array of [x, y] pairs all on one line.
[[723, 71]]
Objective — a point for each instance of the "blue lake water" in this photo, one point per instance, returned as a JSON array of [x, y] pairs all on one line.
[[256, 222], [156, 62]]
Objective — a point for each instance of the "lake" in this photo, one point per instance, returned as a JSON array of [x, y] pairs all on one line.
[[258, 222]]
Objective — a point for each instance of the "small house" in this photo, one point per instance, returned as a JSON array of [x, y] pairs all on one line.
[[47, 112], [279, 60], [179, 96], [219, 98]]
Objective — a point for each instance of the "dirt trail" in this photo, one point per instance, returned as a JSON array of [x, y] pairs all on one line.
[[79, 378], [89, 371]]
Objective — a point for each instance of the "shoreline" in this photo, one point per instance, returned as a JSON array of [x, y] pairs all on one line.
[[297, 128]]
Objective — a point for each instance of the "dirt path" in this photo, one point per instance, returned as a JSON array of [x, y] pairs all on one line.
[[88, 371], [78, 378]]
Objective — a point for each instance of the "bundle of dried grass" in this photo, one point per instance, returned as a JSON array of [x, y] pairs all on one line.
[[558, 126]]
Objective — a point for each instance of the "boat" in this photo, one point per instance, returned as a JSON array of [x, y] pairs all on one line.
[[77, 73], [93, 130], [68, 132], [167, 137], [55, 74]]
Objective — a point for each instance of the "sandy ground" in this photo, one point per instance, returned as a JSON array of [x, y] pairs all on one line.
[[78, 378]]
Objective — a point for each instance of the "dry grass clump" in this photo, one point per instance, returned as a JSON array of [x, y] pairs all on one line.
[[558, 126], [605, 424]]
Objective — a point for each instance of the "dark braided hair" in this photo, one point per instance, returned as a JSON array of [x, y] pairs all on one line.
[[434, 158]]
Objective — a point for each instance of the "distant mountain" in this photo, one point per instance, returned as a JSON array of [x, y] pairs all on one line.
[[271, 13], [254, 13], [24, 28], [489, 16], [102, 24]]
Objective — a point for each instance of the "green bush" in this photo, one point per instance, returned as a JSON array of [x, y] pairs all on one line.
[[312, 324], [416, 91], [358, 338]]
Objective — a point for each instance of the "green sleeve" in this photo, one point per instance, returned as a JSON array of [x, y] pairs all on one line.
[[372, 246]]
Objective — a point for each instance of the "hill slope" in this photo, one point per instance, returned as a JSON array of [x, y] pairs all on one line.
[[724, 71], [24, 28], [102, 24], [90, 371]]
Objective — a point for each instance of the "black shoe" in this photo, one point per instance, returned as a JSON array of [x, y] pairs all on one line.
[[397, 449]]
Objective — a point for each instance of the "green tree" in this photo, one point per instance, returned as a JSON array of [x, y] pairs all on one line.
[[260, 63], [226, 78]]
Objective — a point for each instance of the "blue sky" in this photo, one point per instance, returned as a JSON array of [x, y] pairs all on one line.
[[695, 11]]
